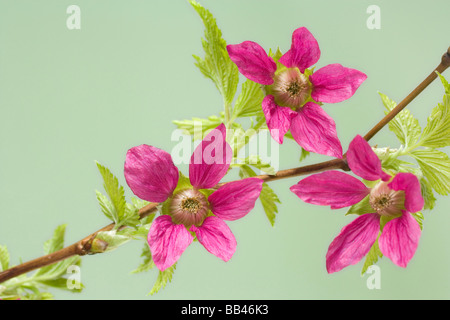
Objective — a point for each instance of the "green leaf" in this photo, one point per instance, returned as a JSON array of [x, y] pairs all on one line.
[[304, 154], [57, 241], [131, 216], [114, 238], [405, 126], [106, 206], [4, 258], [256, 162], [198, 127], [361, 207], [435, 166], [115, 193], [419, 218], [148, 263], [372, 257], [427, 194], [164, 277], [268, 197], [269, 202], [444, 83], [437, 132], [216, 65], [249, 100]]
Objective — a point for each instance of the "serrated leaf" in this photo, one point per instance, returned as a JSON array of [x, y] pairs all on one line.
[[435, 166], [419, 218], [437, 132], [164, 277], [269, 202], [115, 193], [131, 216], [427, 194], [249, 100], [216, 65], [4, 258], [148, 263], [268, 197], [57, 241], [405, 126], [106, 206], [256, 162], [372, 257], [444, 83], [198, 127]]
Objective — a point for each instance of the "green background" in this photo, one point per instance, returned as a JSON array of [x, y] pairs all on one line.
[[70, 97]]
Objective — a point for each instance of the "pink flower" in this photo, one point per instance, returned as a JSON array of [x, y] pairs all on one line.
[[393, 198], [294, 92], [152, 176]]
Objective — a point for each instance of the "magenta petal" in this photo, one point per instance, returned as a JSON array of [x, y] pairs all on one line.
[[409, 183], [315, 131], [167, 241], [235, 199], [363, 161], [253, 61], [211, 159], [216, 237], [335, 83], [331, 188], [353, 242], [278, 118], [400, 239], [150, 173], [304, 50]]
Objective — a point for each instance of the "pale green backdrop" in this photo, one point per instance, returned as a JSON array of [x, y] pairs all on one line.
[[70, 97]]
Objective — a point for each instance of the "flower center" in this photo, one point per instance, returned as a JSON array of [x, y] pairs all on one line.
[[189, 207], [291, 88], [385, 201]]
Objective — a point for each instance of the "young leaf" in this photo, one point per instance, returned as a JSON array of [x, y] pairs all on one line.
[[115, 192], [164, 277], [113, 238], [444, 83], [256, 162], [419, 218], [437, 132], [147, 264], [268, 197], [427, 194], [249, 100], [198, 127], [4, 258], [372, 257], [216, 65], [57, 241], [404, 125], [107, 206], [435, 167]]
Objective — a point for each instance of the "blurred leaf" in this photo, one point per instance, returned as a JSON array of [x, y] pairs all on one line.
[[4, 258]]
